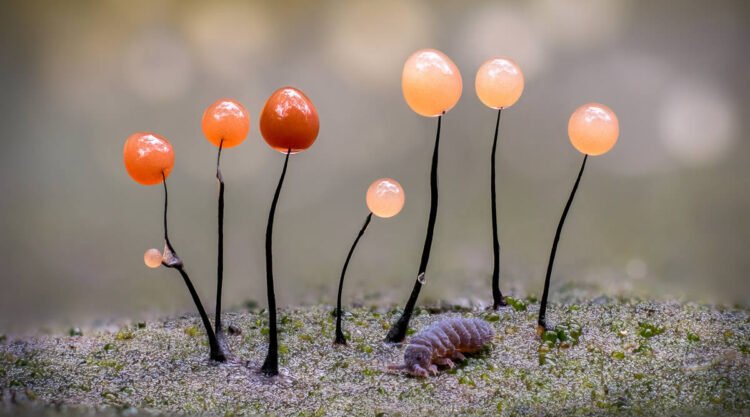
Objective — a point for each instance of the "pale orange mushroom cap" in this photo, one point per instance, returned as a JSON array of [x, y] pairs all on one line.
[[431, 82], [152, 258], [593, 129], [499, 83], [385, 197], [226, 120], [146, 156]]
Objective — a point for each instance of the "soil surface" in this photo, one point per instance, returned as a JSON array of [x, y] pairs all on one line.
[[607, 356]]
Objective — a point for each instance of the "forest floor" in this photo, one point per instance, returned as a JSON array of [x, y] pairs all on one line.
[[608, 356]]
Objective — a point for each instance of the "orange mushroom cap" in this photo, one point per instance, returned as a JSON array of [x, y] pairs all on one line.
[[289, 121], [593, 129], [499, 83], [385, 197], [147, 156], [226, 120], [431, 82], [152, 258]]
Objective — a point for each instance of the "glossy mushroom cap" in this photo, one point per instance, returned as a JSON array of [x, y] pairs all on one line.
[[499, 83], [431, 82], [226, 120], [146, 156], [385, 197], [289, 121], [152, 258], [593, 129]]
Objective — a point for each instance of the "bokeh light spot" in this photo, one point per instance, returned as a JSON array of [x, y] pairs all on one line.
[[698, 123]]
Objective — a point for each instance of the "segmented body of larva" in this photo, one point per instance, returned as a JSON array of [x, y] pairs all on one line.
[[442, 342]]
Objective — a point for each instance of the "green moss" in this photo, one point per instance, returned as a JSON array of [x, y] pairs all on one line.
[[75, 331], [465, 380], [192, 331], [643, 349], [517, 304], [550, 336], [563, 336], [618, 355], [124, 334], [110, 364], [693, 337], [648, 330]]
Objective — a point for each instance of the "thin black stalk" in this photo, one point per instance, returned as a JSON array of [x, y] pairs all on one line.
[[497, 296], [216, 352], [166, 205], [271, 365], [397, 333], [220, 252], [173, 261], [543, 307], [340, 339]]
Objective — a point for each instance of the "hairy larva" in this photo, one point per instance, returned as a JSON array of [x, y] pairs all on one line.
[[442, 342]]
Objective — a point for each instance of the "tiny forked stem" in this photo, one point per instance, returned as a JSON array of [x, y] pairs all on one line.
[[542, 322], [497, 297], [271, 364], [340, 339], [173, 261], [397, 333]]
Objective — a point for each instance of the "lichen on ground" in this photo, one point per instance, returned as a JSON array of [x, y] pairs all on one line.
[[629, 357]]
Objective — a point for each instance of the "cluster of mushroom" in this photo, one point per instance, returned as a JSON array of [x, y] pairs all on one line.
[[289, 123], [432, 86]]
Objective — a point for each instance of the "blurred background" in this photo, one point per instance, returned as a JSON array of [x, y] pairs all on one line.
[[662, 215]]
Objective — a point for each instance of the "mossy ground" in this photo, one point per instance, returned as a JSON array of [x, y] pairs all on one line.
[[632, 357]]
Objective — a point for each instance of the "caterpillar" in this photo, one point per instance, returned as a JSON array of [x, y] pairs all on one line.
[[443, 342]]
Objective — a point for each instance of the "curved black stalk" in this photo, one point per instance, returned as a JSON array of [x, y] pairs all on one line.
[[271, 365], [340, 339], [497, 297], [220, 255], [397, 333], [171, 260], [543, 307]]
